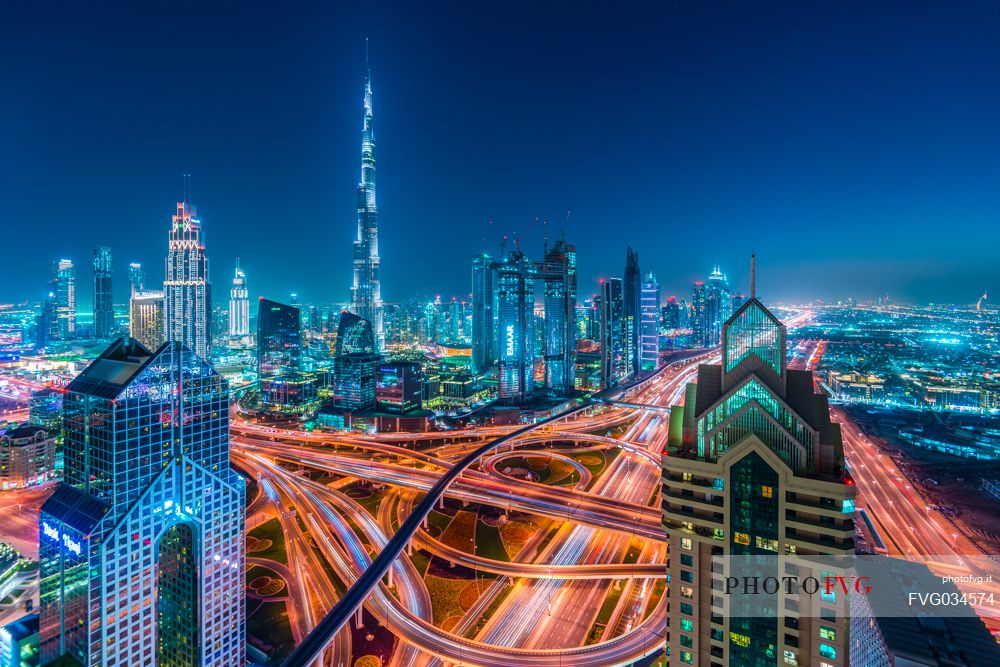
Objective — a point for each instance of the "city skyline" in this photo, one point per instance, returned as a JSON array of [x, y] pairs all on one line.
[[438, 199]]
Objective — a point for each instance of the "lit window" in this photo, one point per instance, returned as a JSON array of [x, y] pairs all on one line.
[[687, 625], [791, 658], [767, 491], [686, 476], [827, 633], [687, 658], [739, 640], [687, 592], [686, 543], [769, 545], [741, 538], [828, 651]]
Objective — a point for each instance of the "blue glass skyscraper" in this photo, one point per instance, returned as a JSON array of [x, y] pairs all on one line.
[[515, 299], [141, 546]]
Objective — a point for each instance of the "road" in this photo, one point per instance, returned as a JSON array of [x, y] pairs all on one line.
[[618, 509]]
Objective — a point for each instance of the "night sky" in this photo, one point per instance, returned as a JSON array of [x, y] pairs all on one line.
[[854, 145]]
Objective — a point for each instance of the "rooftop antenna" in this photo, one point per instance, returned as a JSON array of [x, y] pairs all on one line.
[[366, 52], [503, 246], [563, 231], [753, 275], [545, 236]]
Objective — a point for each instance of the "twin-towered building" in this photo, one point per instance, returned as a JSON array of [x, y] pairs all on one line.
[[757, 475], [142, 549]]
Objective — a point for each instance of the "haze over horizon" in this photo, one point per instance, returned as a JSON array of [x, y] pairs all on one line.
[[854, 152]]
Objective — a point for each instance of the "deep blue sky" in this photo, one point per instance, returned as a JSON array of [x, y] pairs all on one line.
[[854, 145]]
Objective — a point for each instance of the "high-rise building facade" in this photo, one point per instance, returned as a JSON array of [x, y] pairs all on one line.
[[558, 274], [239, 305], [355, 363], [279, 338], [614, 363], [366, 292], [142, 552], [187, 293], [484, 354], [104, 312], [649, 324], [398, 387], [671, 314], [136, 277], [718, 307], [515, 331], [631, 288], [145, 318], [64, 288], [698, 314], [759, 480]]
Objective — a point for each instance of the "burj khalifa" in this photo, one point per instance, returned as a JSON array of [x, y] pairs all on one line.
[[366, 292]]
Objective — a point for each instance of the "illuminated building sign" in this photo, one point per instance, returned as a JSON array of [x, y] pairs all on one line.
[[53, 534], [510, 340], [50, 532]]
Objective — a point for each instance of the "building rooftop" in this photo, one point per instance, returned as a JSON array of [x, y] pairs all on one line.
[[112, 372]]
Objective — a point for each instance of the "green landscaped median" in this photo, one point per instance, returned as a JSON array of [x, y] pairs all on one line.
[[267, 541]]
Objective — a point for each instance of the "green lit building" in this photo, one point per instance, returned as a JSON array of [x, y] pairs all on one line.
[[756, 470]]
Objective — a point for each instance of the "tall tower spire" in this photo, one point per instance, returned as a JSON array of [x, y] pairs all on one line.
[[753, 276], [366, 291]]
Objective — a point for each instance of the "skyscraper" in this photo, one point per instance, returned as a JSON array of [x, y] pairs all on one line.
[[614, 366], [558, 273], [104, 313], [187, 294], [136, 277], [631, 286], [366, 293], [279, 338], [142, 553], [484, 338], [64, 287], [145, 318], [718, 306], [759, 473], [47, 322], [239, 305], [698, 314], [671, 314], [649, 324], [354, 364], [515, 330]]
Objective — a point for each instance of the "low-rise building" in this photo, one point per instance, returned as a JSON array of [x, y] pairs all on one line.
[[27, 457]]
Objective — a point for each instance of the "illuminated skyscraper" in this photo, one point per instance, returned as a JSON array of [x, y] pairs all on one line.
[[759, 472], [145, 318], [187, 293], [614, 365], [64, 287], [515, 331], [558, 274], [484, 353], [142, 552], [366, 293], [698, 314], [354, 364], [718, 306], [649, 324], [671, 314], [104, 313], [631, 286], [136, 277], [239, 305], [279, 338]]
